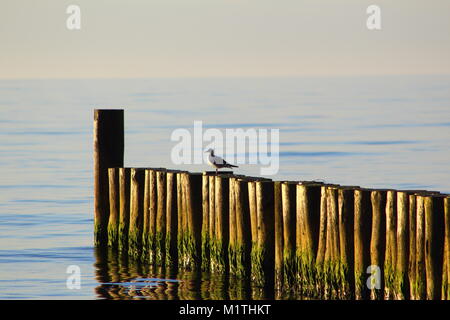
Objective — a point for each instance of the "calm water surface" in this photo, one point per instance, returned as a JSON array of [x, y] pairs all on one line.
[[372, 131]]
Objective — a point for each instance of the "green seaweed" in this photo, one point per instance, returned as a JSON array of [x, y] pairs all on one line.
[[232, 258], [98, 234], [189, 251], [290, 267], [134, 244], [257, 260], [206, 248], [400, 284], [160, 249], [113, 236], [241, 260], [389, 279], [218, 256], [171, 252]]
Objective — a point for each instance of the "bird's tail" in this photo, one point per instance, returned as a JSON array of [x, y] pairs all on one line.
[[232, 166]]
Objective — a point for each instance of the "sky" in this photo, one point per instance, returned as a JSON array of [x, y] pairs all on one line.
[[222, 38]]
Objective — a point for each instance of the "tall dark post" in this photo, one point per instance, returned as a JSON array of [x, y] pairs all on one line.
[[108, 153]]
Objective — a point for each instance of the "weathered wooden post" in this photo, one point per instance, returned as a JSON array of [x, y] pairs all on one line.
[[114, 205], [124, 210], [434, 245], [146, 219], [332, 250], [390, 259], [212, 216], [306, 232], [346, 207], [279, 204], [243, 236], [171, 220], [378, 240], [320, 259], [232, 228], [412, 246], [181, 206], [253, 212], [160, 237], [446, 268], [193, 199], [108, 153], [362, 234], [263, 253], [205, 223], [219, 248], [420, 285], [136, 212], [401, 273], [152, 213], [285, 219]]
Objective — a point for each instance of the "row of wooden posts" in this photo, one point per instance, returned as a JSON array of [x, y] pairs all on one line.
[[323, 240], [308, 236]]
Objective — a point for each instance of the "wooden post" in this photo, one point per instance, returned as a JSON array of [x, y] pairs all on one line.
[[446, 268], [212, 216], [279, 204], [434, 245], [264, 253], [114, 204], [401, 274], [320, 259], [205, 223], [136, 212], [171, 220], [378, 241], [232, 227], [219, 248], [146, 221], [285, 219], [193, 197], [124, 210], [253, 211], [362, 228], [243, 236], [390, 259], [332, 250], [152, 213], [346, 206], [306, 232], [181, 207], [108, 153], [160, 237], [420, 286], [412, 246]]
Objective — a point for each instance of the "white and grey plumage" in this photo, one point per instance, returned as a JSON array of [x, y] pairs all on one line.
[[218, 162]]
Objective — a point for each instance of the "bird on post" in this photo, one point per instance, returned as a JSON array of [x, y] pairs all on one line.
[[217, 162]]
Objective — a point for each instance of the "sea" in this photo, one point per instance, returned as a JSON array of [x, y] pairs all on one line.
[[371, 131]]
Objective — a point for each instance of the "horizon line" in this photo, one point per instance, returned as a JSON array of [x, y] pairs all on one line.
[[230, 76]]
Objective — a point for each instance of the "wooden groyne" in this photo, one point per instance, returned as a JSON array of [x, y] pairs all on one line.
[[320, 240]]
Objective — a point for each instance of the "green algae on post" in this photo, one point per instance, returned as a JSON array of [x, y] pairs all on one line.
[[136, 212], [124, 210], [114, 204]]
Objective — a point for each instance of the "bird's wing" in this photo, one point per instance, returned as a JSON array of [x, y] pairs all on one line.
[[218, 160]]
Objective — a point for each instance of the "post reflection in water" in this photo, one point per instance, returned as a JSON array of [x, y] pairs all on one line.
[[122, 277]]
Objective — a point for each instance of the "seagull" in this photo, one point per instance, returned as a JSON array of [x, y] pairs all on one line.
[[217, 162]]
